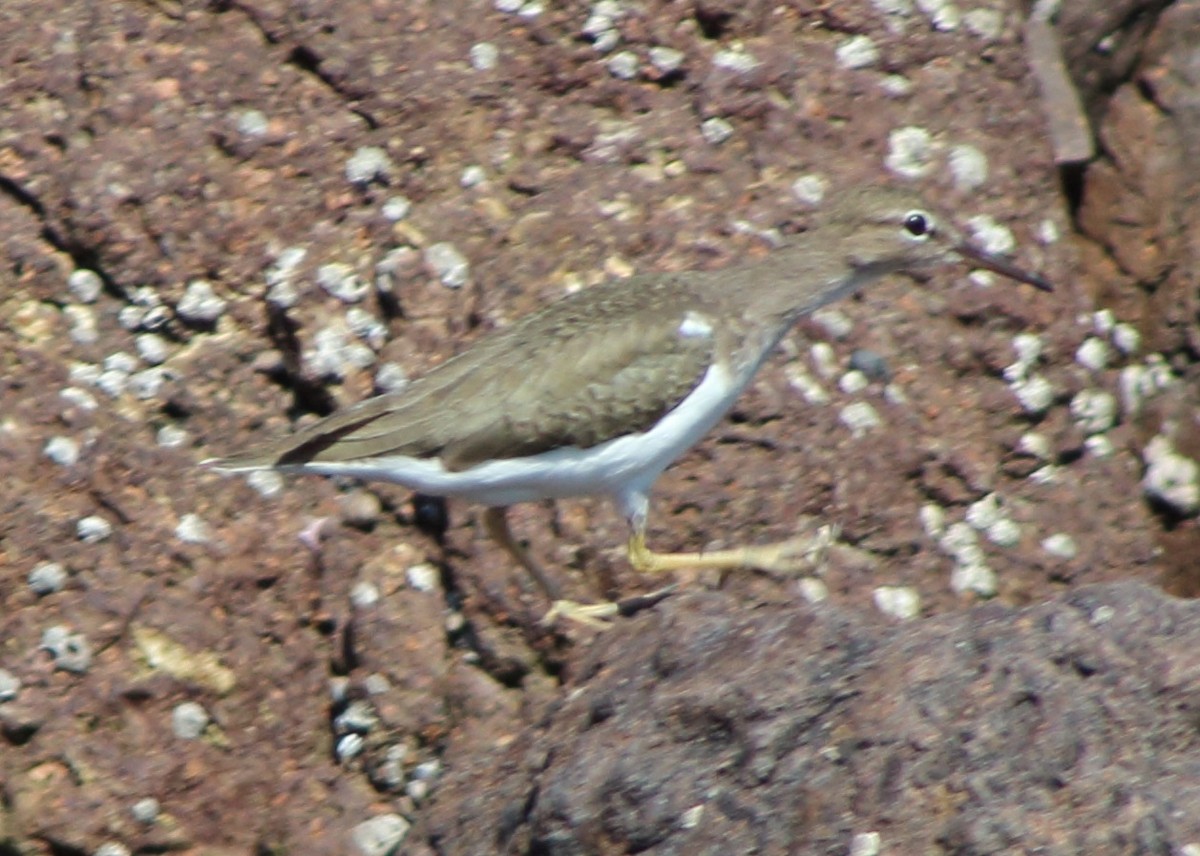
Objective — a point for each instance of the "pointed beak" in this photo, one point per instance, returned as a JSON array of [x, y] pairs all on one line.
[[991, 262]]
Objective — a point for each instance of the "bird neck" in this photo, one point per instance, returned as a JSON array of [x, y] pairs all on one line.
[[797, 281]]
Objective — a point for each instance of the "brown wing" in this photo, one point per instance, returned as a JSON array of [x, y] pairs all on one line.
[[598, 364]]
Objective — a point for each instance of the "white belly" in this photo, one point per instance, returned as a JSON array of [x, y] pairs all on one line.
[[617, 467]]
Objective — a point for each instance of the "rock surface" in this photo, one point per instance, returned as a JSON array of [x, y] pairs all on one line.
[[217, 224], [706, 728]]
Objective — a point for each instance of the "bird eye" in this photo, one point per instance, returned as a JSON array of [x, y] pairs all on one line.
[[918, 224]]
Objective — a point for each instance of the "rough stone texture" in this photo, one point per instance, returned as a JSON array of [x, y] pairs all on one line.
[[163, 143], [709, 729], [1140, 210]]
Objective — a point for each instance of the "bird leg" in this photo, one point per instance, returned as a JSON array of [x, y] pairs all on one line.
[[794, 555], [495, 520]]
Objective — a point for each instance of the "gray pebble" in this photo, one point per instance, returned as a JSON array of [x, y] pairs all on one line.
[[348, 746], [396, 208], [391, 377], [200, 304], [339, 685], [145, 810], [193, 530], [10, 685], [155, 318], [448, 264], [71, 651], [624, 65], [364, 594], [145, 295], [268, 483], [736, 61], [252, 123], [376, 684], [360, 508], [607, 40], [130, 317], [334, 355], [1171, 478], [389, 773], [871, 364], [121, 361], [427, 770], [455, 622], [147, 383], [396, 266], [93, 529], [367, 164], [417, 790], [423, 577], [285, 265], [171, 437], [152, 348], [188, 720], [358, 717], [810, 189], [860, 417], [112, 848], [382, 834], [483, 56], [1061, 545], [472, 176], [599, 22], [853, 382], [716, 130], [85, 373], [283, 295], [666, 60], [112, 382], [81, 398], [47, 578], [367, 327], [85, 285], [64, 451], [341, 281], [1094, 410], [82, 321]]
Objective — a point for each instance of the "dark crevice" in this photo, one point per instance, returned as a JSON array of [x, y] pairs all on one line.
[[62, 848], [310, 395], [309, 61], [303, 58], [713, 24], [1071, 177], [82, 256]]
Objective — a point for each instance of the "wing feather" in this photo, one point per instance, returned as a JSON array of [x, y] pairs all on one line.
[[598, 364]]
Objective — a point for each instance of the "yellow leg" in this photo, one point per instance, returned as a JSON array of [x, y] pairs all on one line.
[[495, 520], [794, 555]]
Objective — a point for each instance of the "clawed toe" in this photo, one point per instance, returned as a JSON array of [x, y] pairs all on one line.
[[801, 554], [599, 615]]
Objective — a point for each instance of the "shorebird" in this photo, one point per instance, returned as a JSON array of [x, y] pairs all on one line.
[[601, 391]]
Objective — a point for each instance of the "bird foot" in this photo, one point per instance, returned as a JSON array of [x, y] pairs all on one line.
[[801, 554], [599, 615]]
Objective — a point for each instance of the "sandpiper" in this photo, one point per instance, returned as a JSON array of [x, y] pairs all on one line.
[[601, 391]]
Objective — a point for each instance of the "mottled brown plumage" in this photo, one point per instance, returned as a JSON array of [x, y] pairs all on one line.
[[601, 390], [595, 365]]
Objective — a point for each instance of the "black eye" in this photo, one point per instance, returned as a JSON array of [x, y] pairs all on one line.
[[917, 224]]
